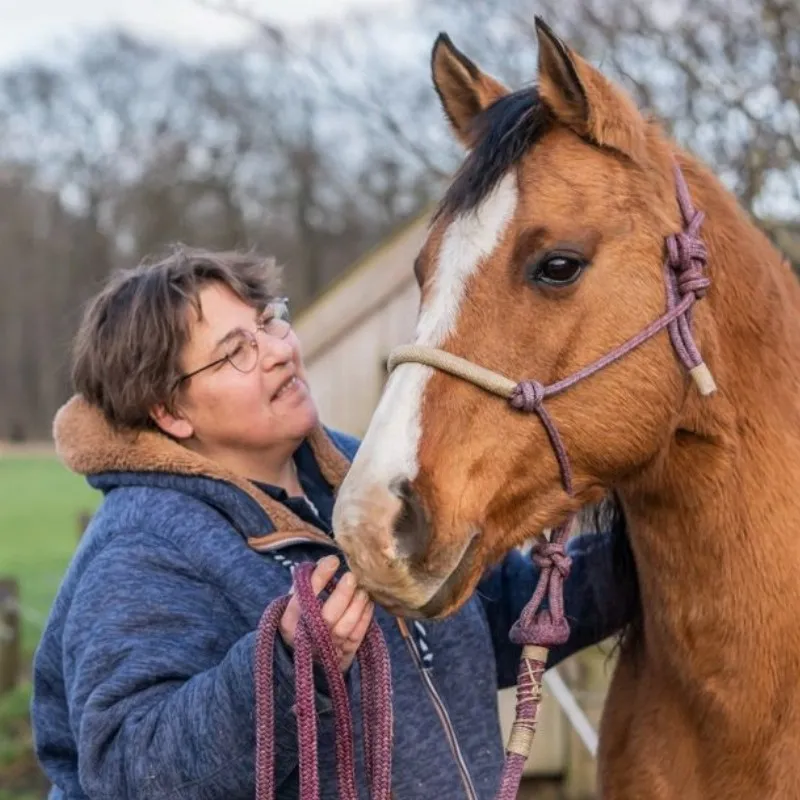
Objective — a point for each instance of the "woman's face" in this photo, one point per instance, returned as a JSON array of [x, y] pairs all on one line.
[[268, 407]]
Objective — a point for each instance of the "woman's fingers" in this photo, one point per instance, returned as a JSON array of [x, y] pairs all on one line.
[[347, 611], [339, 600], [343, 629], [348, 648], [323, 572], [359, 631]]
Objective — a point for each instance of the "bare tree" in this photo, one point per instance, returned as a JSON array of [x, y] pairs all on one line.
[[722, 75], [120, 148], [315, 144]]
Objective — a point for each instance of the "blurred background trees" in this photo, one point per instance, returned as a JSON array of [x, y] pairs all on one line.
[[314, 144]]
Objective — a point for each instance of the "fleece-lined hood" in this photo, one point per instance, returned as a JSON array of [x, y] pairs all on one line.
[[89, 445]]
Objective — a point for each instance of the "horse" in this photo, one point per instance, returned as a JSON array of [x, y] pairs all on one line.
[[546, 254]]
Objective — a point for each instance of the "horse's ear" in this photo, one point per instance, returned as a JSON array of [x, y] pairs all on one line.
[[464, 90], [584, 99]]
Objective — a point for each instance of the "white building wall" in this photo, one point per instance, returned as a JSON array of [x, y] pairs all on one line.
[[348, 333]]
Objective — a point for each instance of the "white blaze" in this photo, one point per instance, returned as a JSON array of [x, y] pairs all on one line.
[[389, 450]]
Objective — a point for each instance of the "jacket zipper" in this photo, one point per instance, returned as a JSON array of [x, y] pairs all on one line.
[[441, 711]]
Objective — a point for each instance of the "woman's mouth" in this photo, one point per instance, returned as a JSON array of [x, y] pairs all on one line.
[[288, 388]]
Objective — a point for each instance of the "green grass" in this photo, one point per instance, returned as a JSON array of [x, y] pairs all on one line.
[[20, 775], [15, 738], [40, 501]]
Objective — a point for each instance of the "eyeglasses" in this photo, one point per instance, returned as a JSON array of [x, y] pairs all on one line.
[[244, 350]]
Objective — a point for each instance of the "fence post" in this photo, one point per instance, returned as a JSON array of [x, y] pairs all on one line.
[[9, 634]]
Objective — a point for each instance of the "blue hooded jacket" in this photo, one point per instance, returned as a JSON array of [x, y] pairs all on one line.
[[143, 679]]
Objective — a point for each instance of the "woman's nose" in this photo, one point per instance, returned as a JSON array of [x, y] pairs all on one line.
[[274, 351]]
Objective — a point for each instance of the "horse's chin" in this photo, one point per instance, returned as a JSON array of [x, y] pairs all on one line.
[[449, 595], [456, 589]]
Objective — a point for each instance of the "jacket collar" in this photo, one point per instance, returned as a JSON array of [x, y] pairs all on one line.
[[88, 445]]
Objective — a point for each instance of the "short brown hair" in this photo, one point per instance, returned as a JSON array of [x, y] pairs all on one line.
[[126, 356]]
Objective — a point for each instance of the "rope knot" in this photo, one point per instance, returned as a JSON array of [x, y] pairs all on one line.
[[551, 555], [539, 625], [687, 257], [527, 396], [544, 630]]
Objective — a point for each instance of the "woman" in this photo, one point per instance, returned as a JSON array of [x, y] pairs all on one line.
[[193, 417]]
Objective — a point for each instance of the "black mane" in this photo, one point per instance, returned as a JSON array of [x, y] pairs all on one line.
[[615, 583], [501, 135]]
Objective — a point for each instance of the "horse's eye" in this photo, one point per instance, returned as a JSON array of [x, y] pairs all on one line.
[[557, 269]]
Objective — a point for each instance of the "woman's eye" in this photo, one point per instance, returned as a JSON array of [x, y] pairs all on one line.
[[557, 269], [236, 351]]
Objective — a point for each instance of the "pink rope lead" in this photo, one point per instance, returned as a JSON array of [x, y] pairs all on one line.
[[312, 638], [536, 630]]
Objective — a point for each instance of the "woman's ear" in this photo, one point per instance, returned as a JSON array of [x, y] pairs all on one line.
[[171, 423]]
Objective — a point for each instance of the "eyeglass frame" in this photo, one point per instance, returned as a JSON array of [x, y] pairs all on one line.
[[277, 301]]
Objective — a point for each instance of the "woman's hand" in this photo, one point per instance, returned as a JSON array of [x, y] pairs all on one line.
[[347, 612]]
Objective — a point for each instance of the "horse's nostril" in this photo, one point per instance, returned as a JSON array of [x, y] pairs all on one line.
[[411, 528]]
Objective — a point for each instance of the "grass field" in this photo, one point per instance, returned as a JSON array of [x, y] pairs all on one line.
[[40, 502]]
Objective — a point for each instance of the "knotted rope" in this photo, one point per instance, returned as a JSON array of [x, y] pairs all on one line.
[[529, 396], [685, 277], [312, 639], [537, 630]]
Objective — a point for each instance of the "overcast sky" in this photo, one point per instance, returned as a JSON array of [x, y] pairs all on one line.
[[31, 26]]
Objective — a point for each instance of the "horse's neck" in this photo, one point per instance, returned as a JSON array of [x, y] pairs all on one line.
[[715, 520]]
